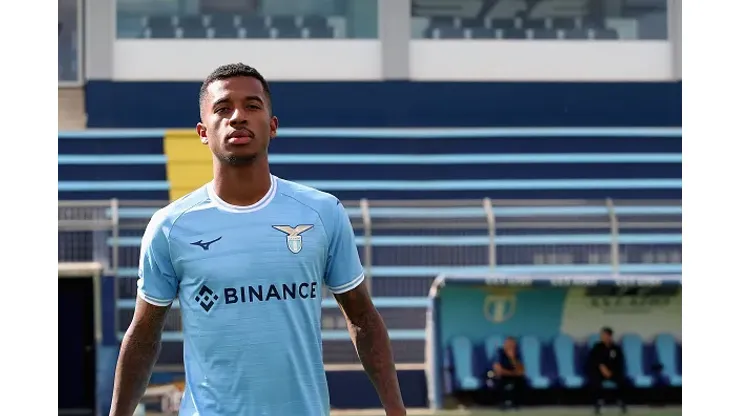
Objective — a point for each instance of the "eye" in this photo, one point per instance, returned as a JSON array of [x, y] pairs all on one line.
[[253, 107]]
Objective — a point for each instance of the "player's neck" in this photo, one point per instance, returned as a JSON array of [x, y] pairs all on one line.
[[242, 185]]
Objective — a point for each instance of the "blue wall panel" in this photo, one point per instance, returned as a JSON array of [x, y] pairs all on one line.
[[113, 172], [402, 104], [104, 144], [566, 142]]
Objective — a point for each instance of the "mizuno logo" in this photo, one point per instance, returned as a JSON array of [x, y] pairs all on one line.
[[294, 238], [205, 246]]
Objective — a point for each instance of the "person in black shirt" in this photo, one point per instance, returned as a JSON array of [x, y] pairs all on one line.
[[606, 363], [508, 373]]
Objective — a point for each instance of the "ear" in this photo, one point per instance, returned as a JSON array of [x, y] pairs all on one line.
[[200, 128], [273, 127]]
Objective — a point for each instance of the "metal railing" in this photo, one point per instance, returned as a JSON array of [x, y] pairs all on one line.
[[83, 225], [404, 245]]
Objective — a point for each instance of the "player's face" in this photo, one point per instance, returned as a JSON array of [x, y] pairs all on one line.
[[510, 345], [236, 122], [605, 337]]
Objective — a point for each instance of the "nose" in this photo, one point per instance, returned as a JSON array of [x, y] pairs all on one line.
[[238, 117]]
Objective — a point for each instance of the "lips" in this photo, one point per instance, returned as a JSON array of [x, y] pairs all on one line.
[[240, 137]]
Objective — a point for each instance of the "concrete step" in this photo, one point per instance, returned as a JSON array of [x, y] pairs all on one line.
[[72, 114]]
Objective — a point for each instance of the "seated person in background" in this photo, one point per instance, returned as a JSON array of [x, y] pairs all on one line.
[[606, 364], [508, 372]]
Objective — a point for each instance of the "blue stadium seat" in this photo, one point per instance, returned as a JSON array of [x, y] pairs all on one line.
[[531, 351], [577, 34], [192, 27], [563, 23], [285, 27], [255, 27], [446, 32], [437, 21], [591, 341], [503, 23], [545, 34], [491, 346], [515, 34], [129, 26], [591, 22], [313, 22], [256, 32], [281, 22], [632, 347], [565, 359], [482, 33], [463, 364], [222, 26], [321, 32], [218, 20], [289, 32], [534, 24], [665, 351], [606, 34], [160, 27]]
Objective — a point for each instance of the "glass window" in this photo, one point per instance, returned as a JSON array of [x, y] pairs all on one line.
[[540, 19], [68, 44], [252, 19]]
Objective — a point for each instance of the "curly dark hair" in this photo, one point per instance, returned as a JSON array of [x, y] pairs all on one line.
[[230, 71]]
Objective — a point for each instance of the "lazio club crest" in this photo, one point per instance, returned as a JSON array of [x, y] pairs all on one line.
[[499, 309], [499, 305], [293, 237]]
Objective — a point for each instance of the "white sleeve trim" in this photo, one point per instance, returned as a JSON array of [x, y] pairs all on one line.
[[152, 300], [347, 286]]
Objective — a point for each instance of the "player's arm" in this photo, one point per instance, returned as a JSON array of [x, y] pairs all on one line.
[[345, 278], [157, 288], [370, 336], [139, 351]]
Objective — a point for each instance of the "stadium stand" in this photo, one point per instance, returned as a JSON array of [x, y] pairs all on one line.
[[276, 20], [432, 19], [405, 258], [493, 163]]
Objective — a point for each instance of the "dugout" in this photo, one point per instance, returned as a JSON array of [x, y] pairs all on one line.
[[79, 334], [87, 346], [556, 319]]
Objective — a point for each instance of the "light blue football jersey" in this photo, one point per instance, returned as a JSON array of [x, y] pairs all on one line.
[[249, 282]]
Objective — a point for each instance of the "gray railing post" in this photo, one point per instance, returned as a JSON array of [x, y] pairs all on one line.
[[368, 248], [491, 220], [614, 226], [114, 214], [115, 220]]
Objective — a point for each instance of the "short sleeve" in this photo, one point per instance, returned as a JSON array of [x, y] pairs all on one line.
[[157, 279], [344, 270]]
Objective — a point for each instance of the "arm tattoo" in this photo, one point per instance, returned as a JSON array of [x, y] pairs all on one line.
[[139, 351], [370, 336]]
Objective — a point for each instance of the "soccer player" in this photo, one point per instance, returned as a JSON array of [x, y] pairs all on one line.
[[247, 255]]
